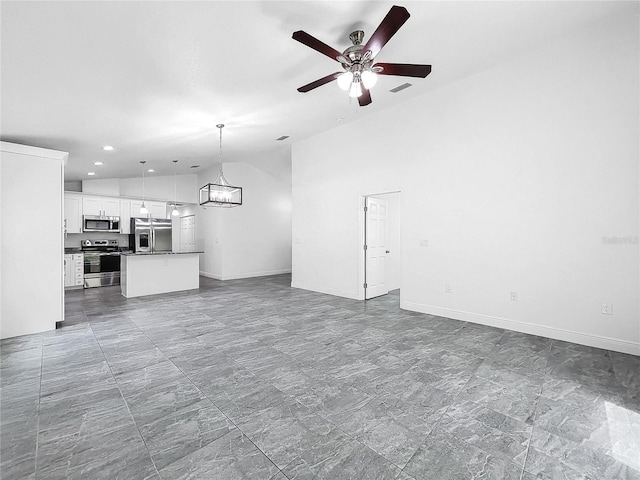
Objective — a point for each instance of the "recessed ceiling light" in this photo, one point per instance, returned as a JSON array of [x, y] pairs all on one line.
[[98, 163], [107, 148], [91, 173], [151, 170]]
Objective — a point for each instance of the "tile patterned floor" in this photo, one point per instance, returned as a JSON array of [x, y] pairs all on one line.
[[254, 379]]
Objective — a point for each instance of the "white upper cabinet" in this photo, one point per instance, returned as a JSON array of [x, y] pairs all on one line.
[[72, 213], [92, 206], [125, 215], [156, 209], [111, 207], [101, 206]]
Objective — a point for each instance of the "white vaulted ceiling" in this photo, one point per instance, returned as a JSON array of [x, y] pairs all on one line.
[[154, 78]]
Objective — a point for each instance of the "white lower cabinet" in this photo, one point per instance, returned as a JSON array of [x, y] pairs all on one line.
[[73, 270]]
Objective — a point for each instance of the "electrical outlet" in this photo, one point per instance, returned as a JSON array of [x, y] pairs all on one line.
[[447, 288], [514, 296], [424, 242], [607, 308]]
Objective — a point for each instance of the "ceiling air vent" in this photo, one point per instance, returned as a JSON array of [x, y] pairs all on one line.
[[283, 137], [195, 166], [399, 88]]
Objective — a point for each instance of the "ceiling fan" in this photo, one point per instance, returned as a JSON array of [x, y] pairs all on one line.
[[360, 72]]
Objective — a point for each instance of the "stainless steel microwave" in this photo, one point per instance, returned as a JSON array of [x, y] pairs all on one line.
[[91, 223]]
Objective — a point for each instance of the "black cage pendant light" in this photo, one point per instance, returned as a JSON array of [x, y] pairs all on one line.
[[220, 193]]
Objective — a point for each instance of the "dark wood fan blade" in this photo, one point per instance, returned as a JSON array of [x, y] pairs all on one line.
[[365, 98], [319, 82], [387, 29], [404, 69], [317, 45]]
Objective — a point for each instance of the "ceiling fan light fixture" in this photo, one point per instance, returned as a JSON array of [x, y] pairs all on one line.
[[358, 59], [345, 80], [356, 90], [369, 79]]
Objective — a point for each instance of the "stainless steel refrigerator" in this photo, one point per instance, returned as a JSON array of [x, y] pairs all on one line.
[[150, 235]]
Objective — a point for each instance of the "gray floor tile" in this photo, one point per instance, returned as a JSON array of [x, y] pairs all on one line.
[[491, 431], [286, 430], [184, 431], [112, 454], [245, 376], [232, 456], [444, 457], [341, 457]]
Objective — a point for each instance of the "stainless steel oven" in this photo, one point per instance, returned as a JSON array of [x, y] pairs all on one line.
[[101, 263]]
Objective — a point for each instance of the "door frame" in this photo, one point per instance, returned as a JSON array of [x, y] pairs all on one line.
[[362, 238]]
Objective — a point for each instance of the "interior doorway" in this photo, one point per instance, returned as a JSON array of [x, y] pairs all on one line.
[[381, 262]]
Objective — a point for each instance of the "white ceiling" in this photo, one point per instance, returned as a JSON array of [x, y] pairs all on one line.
[[154, 78]]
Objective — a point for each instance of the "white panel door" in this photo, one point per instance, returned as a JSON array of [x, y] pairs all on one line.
[[188, 234], [376, 248]]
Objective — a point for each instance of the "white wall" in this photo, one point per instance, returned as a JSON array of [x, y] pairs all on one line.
[[32, 285], [155, 188], [517, 177], [253, 239]]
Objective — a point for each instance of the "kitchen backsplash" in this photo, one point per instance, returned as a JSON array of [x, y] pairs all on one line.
[[73, 239]]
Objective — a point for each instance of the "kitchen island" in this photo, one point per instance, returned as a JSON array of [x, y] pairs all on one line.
[[161, 272]]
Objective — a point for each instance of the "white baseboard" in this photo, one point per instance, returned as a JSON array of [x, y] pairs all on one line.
[[328, 291], [210, 275], [236, 276], [606, 343]]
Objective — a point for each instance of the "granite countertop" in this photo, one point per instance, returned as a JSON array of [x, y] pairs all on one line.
[[145, 254], [72, 250]]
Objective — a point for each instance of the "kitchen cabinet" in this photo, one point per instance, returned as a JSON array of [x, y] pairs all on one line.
[[73, 270], [101, 206], [72, 213], [125, 216], [156, 209]]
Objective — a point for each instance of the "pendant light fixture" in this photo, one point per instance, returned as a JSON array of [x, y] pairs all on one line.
[[143, 208], [175, 212], [220, 193]]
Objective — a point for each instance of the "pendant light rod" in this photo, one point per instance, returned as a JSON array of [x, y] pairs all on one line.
[[175, 211], [143, 208], [220, 126]]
